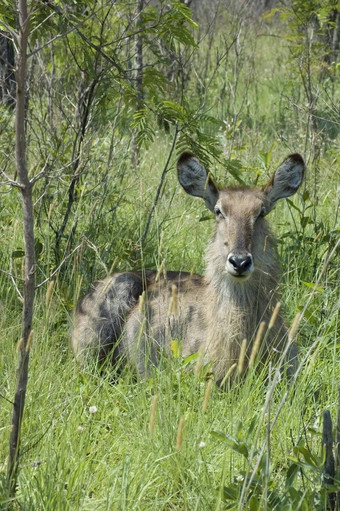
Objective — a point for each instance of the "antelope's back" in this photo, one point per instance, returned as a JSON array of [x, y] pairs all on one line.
[[112, 322]]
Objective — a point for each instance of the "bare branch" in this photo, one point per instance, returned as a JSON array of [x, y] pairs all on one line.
[[6, 399], [40, 175], [50, 41], [72, 28], [14, 279], [9, 182], [9, 29], [103, 54]]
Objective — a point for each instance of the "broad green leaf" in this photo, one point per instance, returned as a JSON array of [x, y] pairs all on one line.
[[313, 286]]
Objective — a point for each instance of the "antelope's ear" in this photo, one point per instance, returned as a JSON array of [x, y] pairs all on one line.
[[195, 179], [286, 179]]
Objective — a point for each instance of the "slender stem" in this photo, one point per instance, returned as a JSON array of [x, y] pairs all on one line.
[[28, 224], [164, 173]]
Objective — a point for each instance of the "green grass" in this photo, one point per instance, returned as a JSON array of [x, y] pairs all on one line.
[[77, 457]]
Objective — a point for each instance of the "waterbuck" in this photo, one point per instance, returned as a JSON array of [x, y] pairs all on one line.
[[132, 316]]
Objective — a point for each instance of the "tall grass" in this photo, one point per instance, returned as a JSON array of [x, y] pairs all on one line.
[[92, 444]]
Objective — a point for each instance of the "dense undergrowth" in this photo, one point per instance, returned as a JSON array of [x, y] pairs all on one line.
[[88, 443]]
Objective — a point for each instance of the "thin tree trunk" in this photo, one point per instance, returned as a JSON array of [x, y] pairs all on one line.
[[337, 454], [139, 57], [138, 78], [329, 466], [28, 224]]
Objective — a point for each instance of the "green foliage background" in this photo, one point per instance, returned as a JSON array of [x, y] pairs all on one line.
[[242, 92]]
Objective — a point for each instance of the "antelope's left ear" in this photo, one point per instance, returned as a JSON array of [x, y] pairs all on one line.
[[286, 179]]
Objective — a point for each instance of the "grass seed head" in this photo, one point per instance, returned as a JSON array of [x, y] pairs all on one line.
[[160, 270], [274, 315], [228, 373], [153, 414], [294, 327], [257, 342], [141, 303], [49, 291], [20, 343], [179, 439], [29, 341], [207, 395], [240, 366]]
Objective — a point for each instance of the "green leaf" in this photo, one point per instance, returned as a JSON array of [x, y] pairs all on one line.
[[231, 492], [176, 348], [204, 218], [38, 247], [254, 503], [236, 446], [174, 111], [16, 254], [269, 15], [265, 158], [252, 426], [306, 195], [313, 286], [310, 460], [291, 474], [143, 125], [154, 80], [295, 496], [291, 203], [234, 166], [190, 358]]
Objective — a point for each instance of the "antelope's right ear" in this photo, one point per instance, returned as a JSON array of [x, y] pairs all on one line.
[[195, 179]]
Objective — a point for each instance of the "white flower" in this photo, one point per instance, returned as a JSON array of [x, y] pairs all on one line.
[[201, 445], [80, 428], [93, 409]]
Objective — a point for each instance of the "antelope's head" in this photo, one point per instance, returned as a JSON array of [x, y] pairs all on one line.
[[240, 211]]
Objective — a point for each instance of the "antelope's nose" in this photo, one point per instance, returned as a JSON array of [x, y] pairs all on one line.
[[240, 265]]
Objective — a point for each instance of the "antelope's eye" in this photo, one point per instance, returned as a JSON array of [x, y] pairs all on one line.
[[218, 213]]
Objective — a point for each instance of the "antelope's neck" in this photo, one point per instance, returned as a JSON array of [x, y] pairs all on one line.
[[235, 312], [251, 299]]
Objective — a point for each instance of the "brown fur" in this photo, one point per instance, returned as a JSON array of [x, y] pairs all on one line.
[[213, 313]]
